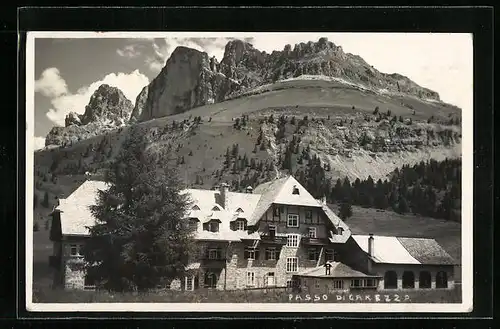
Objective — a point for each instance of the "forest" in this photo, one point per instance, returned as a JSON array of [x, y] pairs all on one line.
[[431, 189]]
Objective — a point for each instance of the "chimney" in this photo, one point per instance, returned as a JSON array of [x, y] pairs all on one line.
[[370, 245], [370, 252], [224, 189], [249, 189]]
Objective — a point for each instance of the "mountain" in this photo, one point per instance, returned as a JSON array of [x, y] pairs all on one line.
[[107, 109], [191, 79], [256, 116]]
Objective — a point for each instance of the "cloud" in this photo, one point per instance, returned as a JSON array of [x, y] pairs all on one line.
[[130, 84], [129, 51], [163, 48], [51, 84], [39, 143]]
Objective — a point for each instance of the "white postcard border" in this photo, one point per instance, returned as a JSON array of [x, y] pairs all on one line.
[[466, 228]]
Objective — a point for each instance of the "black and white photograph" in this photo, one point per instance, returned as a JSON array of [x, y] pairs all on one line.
[[249, 172]]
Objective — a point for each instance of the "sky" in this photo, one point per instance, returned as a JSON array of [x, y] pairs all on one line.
[[70, 67]]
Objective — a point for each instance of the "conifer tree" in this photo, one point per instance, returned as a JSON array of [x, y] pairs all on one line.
[[141, 239], [345, 210]]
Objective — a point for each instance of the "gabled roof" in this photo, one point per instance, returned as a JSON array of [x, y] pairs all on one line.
[[75, 211], [396, 250], [280, 191], [337, 270], [206, 200]]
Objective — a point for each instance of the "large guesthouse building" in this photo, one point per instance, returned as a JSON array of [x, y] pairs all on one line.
[[275, 235]]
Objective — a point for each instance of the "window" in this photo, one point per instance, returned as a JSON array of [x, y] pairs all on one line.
[[240, 225], [215, 208], [340, 231], [331, 255], [316, 284], [250, 278], [338, 284], [289, 283], [441, 280], [295, 190], [408, 280], [75, 250], [313, 254], [356, 283], [370, 282], [271, 254], [195, 207], [292, 240], [312, 232], [189, 283], [424, 279], [272, 231], [390, 280], [293, 220], [251, 253], [239, 210], [211, 226], [309, 214], [292, 264], [214, 253], [270, 279]]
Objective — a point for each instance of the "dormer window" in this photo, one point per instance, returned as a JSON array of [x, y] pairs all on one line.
[[195, 207], [211, 226], [239, 210], [340, 231], [295, 190], [215, 208], [240, 225]]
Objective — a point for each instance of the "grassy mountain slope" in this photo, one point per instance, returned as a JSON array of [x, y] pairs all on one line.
[[331, 135]]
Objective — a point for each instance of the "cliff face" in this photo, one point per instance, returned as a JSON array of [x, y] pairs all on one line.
[[107, 109], [191, 79]]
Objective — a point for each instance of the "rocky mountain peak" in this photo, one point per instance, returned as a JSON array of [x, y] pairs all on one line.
[[107, 109], [107, 103]]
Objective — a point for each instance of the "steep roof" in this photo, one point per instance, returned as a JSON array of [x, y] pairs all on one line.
[[396, 250], [426, 251], [280, 191], [337, 270], [206, 200], [75, 211]]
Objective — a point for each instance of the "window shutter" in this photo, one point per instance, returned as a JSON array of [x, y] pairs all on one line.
[[278, 251], [232, 225], [205, 226]]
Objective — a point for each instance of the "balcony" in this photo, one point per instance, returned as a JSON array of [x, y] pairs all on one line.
[[275, 240], [314, 241], [213, 262]]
